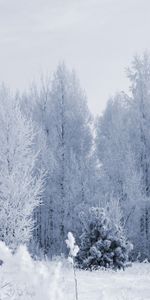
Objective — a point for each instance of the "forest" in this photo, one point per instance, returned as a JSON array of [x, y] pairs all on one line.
[[63, 170], [58, 161]]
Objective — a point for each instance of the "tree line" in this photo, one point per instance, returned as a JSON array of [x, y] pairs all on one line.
[[57, 161]]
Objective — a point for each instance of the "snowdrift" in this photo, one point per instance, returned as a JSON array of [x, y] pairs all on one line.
[[22, 278]]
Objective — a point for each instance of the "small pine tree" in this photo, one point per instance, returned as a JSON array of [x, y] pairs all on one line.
[[102, 244]]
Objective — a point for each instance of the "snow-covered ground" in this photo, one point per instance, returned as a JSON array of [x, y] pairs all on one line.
[[21, 278], [132, 284]]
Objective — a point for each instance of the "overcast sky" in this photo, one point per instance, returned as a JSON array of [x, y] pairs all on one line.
[[95, 37]]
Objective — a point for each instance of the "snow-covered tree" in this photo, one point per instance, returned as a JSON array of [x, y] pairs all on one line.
[[123, 149], [139, 75], [60, 109], [103, 243], [36, 104], [72, 144], [21, 183]]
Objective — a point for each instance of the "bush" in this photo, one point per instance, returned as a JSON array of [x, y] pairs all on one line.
[[103, 244]]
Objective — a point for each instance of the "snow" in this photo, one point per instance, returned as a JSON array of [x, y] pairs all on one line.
[[22, 278], [71, 245], [134, 283]]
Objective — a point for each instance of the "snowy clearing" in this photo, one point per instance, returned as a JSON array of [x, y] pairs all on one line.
[[134, 283], [21, 278]]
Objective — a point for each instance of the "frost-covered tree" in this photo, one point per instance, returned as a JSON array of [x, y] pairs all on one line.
[[59, 107], [36, 104], [139, 75], [112, 143], [120, 176], [122, 141], [21, 183], [71, 144], [103, 243]]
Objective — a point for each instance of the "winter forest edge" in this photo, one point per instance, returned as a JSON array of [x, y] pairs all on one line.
[[62, 170]]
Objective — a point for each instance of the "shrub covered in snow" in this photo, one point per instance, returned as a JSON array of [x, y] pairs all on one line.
[[103, 244]]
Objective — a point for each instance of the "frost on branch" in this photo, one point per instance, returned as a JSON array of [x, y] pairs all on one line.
[[21, 182]]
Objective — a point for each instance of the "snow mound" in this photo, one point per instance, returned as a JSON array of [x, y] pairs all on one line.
[[22, 278]]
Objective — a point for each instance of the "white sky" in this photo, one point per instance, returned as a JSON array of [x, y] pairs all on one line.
[[96, 37]]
